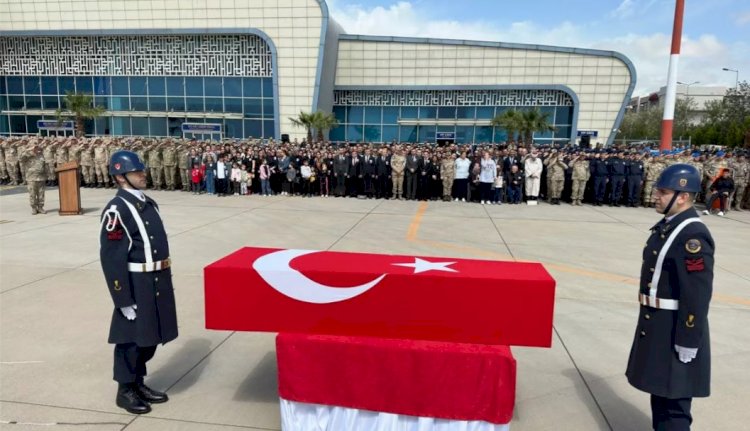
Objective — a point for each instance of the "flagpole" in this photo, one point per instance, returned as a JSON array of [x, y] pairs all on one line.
[[669, 104]]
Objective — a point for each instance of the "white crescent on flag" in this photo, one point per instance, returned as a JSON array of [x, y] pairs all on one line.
[[274, 269]]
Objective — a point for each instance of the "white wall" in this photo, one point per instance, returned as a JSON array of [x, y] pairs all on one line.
[[600, 82]]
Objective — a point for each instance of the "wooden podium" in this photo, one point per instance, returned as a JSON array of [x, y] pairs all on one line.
[[69, 181]]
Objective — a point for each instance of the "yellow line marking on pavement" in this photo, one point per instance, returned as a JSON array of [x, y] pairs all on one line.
[[607, 276]]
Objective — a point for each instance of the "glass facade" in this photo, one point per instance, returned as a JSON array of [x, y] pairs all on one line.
[[418, 115], [144, 105]]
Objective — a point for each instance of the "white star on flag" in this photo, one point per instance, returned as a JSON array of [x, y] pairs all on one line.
[[421, 265]]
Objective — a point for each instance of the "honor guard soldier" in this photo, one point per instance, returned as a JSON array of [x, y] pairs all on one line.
[[134, 256], [671, 356]]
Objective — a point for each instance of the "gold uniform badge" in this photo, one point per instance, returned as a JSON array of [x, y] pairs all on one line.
[[693, 246]]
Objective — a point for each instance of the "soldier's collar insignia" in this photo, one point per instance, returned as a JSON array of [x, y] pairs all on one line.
[[693, 246], [683, 182]]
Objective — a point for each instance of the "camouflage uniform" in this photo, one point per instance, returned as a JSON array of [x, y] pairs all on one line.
[[654, 168], [36, 175], [713, 167], [581, 175], [49, 158], [741, 175], [101, 158], [155, 165], [447, 173], [3, 169], [169, 161], [183, 152], [87, 165], [555, 176], [398, 166], [11, 163]]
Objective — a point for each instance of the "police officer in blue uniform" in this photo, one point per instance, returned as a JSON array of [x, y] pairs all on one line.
[[617, 172], [135, 260], [635, 173], [599, 170], [671, 356]]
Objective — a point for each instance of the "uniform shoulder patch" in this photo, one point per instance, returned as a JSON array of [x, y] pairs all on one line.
[[695, 265], [693, 245]]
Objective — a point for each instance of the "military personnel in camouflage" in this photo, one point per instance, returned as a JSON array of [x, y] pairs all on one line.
[[101, 158], [49, 157], [11, 163], [155, 164], [87, 164], [36, 176], [581, 175], [3, 170], [555, 177], [711, 169], [169, 162], [398, 166], [61, 152], [183, 154], [447, 174], [654, 169], [741, 174]]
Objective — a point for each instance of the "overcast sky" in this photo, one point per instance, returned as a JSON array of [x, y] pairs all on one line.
[[716, 33]]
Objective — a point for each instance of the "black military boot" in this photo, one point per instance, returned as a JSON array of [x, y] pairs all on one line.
[[128, 399], [149, 395]]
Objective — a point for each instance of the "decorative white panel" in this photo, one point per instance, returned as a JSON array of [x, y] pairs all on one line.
[[452, 98], [147, 55]]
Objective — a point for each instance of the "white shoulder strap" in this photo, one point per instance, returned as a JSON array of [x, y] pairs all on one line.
[[109, 222], [663, 253], [141, 229]]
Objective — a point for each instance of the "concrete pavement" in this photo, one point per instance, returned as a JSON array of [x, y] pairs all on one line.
[[55, 365]]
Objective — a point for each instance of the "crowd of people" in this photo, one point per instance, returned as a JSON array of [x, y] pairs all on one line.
[[489, 174]]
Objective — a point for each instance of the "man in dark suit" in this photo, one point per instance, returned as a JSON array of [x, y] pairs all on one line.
[[412, 174], [355, 175], [671, 353], [369, 173], [383, 173], [340, 172], [134, 254]]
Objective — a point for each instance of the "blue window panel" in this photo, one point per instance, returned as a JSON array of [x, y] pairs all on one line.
[[33, 102], [84, 85], [120, 85], [355, 115], [157, 126], [121, 126], [446, 129], [233, 104], [104, 102], [173, 126], [65, 84], [563, 132], [176, 104], [410, 112], [501, 135], [120, 103], [214, 104], [268, 108], [429, 112], [390, 133], [564, 115], [251, 87], [340, 113], [49, 85], [3, 87], [464, 134], [3, 103], [373, 115], [353, 132], [213, 87], [483, 134], [550, 111], [31, 85], [464, 112], [372, 133], [139, 103], [408, 133], [15, 86], [194, 86], [139, 126], [102, 125], [18, 124], [194, 104], [15, 103], [426, 133], [101, 85], [50, 102], [4, 128], [175, 86], [253, 128], [269, 130], [447, 112], [197, 120], [232, 87], [31, 121], [337, 134], [267, 87], [390, 114], [138, 87], [485, 112], [157, 103], [233, 128], [253, 108], [543, 135], [156, 86]]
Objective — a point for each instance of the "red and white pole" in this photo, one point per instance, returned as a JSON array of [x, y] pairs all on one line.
[[669, 103]]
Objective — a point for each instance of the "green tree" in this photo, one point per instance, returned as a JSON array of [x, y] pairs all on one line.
[[80, 107], [306, 121], [509, 120], [323, 122], [533, 121]]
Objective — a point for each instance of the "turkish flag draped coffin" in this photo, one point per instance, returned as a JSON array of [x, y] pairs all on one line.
[[388, 296]]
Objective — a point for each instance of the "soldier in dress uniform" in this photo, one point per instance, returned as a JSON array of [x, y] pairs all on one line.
[[616, 177], [635, 172], [671, 356], [134, 256]]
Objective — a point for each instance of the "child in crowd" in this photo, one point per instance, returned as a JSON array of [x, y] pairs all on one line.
[[291, 178], [265, 178], [196, 176], [236, 178], [499, 186], [244, 179], [324, 179]]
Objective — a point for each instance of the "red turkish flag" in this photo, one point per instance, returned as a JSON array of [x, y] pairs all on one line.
[[388, 296]]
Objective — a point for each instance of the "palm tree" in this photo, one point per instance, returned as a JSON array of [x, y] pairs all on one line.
[[324, 122], [306, 120], [79, 106], [509, 120], [532, 121]]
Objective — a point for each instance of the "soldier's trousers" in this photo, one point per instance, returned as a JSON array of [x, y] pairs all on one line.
[[130, 362], [51, 174], [556, 187], [617, 185], [184, 175], [398, 184], [447, 187], [88, 175], [738, 195], [36, 194], [3, 171], [12, 171], [648, 188], [102, 173], [634, 190], [156, 177], [670, 414], [169, 175], [579, 188], [600, 187]]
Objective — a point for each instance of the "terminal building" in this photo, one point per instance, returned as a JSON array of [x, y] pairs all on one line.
[[242, 68]]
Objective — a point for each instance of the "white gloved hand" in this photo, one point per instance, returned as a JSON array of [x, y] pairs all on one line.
[[129, 311], [685, 354]]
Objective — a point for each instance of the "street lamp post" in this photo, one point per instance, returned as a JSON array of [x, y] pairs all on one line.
[[687, 94], [736, 76]]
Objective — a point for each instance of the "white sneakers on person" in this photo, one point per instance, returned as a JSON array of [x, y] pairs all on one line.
[[482, 202], [720, 214], [463, 199], [705, 212], [455, 200]]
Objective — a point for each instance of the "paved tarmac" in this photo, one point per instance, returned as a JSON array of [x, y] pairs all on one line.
[[55, 364]]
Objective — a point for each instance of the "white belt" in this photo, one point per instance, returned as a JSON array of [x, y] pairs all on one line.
[[149, 266], [661, 303]]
